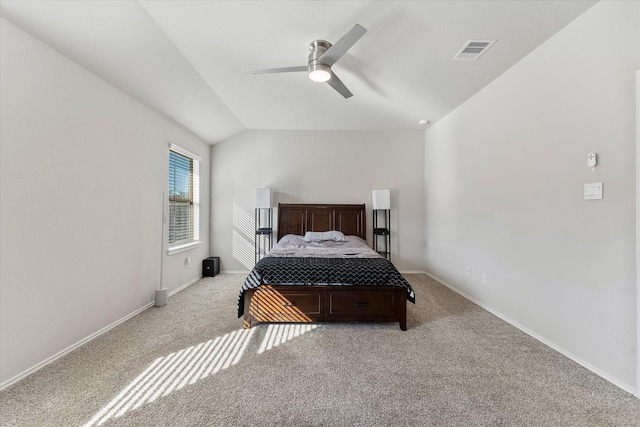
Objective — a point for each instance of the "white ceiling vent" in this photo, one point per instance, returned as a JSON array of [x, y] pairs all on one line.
[[473, 49]]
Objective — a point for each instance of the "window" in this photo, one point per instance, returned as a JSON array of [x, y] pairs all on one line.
[[184, 199]]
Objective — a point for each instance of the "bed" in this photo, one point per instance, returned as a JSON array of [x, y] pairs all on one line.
[[332, 281]]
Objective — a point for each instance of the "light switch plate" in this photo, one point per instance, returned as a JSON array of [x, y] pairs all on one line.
[[593, 191]]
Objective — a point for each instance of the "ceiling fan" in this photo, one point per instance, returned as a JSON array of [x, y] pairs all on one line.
[[323, 55]]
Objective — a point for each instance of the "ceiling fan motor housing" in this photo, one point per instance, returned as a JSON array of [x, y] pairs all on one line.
[[318, 70]]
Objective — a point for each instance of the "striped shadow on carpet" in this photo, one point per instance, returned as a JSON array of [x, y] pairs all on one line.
[[190, 363]]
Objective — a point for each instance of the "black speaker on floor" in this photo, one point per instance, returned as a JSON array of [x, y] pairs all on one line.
[[211, 266]]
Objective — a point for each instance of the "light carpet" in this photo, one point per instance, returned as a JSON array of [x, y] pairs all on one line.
[[190, 363]]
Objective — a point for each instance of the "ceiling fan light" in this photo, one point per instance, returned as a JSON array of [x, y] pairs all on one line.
[[319, 72]]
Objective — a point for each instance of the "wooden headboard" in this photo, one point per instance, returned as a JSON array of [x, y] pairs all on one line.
[[300, 218]]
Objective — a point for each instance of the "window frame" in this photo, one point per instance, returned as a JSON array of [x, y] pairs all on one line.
[[183, 246]]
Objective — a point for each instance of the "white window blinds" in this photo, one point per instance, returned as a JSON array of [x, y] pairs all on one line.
[[184, 197]]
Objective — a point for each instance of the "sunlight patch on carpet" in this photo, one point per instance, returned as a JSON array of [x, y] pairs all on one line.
[[280, 333], [176, 370]]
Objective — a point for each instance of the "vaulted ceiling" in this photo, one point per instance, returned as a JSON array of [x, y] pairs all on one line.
[[193, 60]]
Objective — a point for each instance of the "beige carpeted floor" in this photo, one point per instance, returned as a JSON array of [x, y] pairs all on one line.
[[190, 364]]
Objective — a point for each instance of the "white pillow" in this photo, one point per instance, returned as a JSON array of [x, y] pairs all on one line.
[[316, 236], [291, 240]]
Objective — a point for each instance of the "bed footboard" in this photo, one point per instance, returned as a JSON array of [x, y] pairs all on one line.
[[322, 303]]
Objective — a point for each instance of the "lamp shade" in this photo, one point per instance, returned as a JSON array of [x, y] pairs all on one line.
[[381, 199], [263, 198]]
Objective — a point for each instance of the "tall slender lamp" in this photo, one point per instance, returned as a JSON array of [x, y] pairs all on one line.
[[381, 200], [161, 293], [264, 222]]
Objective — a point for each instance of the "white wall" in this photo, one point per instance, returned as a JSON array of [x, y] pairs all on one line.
[[83, 171], [317, 167], [504, 180]]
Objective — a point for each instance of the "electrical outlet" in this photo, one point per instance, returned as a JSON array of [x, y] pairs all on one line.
[[187, 261], [484, 278], [468, 272]]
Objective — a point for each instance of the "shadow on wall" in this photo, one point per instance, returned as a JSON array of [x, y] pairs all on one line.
[[243, 237]]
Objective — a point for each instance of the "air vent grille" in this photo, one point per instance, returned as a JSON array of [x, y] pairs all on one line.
[[473, 49]]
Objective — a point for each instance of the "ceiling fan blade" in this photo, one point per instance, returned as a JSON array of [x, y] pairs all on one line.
[[343, 45], [282, 70], [337, 84]]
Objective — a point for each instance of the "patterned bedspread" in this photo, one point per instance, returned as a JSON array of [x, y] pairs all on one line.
[[307, 270]]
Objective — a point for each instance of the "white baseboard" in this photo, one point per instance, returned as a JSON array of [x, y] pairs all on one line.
[[186, 285], [624, 386], [83, 341], [412, 272], [72, 347]]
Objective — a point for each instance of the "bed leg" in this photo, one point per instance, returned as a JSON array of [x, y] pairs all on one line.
[[403, 310], [246, 322]]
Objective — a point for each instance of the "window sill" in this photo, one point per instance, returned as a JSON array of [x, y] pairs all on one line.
[[182, 248]]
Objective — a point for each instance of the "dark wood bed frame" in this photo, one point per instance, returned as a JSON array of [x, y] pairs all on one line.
[[324, 303]]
